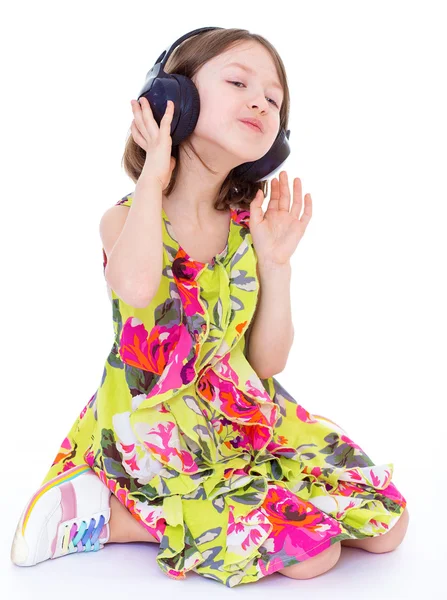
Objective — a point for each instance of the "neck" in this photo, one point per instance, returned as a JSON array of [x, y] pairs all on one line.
[[196, 188]]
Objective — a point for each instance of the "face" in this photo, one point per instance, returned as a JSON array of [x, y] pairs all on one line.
[[229, 93]]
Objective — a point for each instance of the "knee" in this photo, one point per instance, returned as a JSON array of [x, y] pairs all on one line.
[[392, 539], [387, 542], [316, 565]]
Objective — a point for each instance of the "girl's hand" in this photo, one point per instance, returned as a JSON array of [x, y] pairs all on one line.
[[156, 141], [277, 232]]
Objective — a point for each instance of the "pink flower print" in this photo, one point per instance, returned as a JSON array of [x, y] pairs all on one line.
[[315, 471], [231, 401], [377, 476], [176, 374], [241, 216], [189, 296], [84, 410], [225, 370], [65, 449], [255, 388], [248, 533], [68, 465], [131, 461], [89, 458], [238, 407], [123, 496], [259, 437], [185, 273], [278, 446], [344, 438], [304, 415], [162, 440], [349, 489], [393, 494], [298, 526], [150, 352]]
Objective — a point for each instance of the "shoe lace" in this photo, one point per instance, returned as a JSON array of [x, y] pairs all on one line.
[[79, 538]]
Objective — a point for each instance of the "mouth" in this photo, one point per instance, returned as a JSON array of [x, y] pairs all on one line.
[[250, 125]]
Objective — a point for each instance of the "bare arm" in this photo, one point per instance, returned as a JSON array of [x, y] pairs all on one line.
[[272, 333], [135, 257]]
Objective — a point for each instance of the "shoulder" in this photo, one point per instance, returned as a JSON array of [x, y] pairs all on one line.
[[112, 222], [115, 215]]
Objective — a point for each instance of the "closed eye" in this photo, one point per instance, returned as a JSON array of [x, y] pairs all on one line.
[[266, 96]]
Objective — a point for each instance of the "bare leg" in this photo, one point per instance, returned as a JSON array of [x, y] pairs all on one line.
[[124, 527]]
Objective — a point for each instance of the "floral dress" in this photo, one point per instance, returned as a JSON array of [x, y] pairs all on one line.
[[232, 476]]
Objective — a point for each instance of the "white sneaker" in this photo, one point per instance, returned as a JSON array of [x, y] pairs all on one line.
[[68, 514]]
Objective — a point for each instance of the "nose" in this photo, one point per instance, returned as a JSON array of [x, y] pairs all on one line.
[[261, 103]]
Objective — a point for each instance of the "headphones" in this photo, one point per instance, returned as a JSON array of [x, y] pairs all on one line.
[[160, 87]]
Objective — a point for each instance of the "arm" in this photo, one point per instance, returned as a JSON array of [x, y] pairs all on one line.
[[271, 331], [133, 244]]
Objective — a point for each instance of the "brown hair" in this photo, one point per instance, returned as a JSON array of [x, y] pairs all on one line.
[[187, 59]]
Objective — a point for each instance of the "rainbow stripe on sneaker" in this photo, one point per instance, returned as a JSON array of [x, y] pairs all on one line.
[[58, 480]]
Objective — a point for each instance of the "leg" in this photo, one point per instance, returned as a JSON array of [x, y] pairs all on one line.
[[314, 566], [124, 527], [385, 542]]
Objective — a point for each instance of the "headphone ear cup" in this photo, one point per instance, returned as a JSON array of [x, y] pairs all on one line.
[[189, 108], [269, 164]]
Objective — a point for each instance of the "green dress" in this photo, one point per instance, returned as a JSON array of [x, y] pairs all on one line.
[[231, 475]]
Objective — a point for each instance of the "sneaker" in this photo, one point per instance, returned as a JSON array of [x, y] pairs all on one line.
[[68, 514]]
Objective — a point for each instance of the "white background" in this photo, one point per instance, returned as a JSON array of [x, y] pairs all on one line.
[[368, 137]]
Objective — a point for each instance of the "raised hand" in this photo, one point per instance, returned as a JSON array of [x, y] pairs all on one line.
[[156, 141], [277, 232]]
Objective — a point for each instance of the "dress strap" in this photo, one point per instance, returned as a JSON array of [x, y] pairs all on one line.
[[126, 200]]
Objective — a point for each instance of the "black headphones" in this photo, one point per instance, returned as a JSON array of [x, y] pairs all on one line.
[[160, 87]]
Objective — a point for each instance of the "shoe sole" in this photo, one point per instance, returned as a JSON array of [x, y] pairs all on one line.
[[20, 551]]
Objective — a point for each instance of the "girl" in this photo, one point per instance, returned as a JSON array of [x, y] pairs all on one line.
[[190, 441]]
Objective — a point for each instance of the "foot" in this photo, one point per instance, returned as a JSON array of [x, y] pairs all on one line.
[[68, 514]]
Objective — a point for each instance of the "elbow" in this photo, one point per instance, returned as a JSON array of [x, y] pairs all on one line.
[[141, 301], [267, 366], [134, 300], [131, 294], [137, 300], [147, 295], [269, 373]]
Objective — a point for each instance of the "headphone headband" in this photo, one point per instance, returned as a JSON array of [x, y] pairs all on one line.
[[170, 49]]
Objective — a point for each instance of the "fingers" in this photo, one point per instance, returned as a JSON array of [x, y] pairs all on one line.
[[165, 122], [284, 191], [145, 121], [138, 138], [274, 194], [137, 127], [297, 201], [169, 110], [144, 117], [256, 212]]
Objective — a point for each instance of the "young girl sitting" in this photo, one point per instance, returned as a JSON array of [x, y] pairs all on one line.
[[190, 441]]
